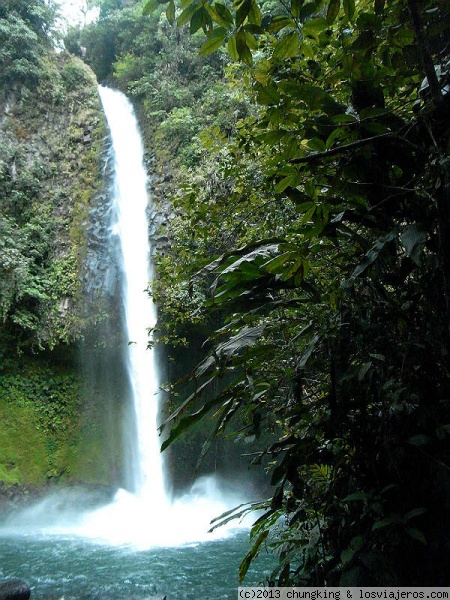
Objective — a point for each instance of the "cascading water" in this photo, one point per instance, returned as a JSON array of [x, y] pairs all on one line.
[[131, 227], [144, 517]]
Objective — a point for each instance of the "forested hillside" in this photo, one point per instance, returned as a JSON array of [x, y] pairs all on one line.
[[306, 158], [52, 136], [299, 155]]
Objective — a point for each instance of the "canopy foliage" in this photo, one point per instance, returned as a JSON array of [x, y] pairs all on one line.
[[320, 243]]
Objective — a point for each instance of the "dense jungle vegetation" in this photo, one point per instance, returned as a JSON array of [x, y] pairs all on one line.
[[52, 135], [304, 149], [301, 150]]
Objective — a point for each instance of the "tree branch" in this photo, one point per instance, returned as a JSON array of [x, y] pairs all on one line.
[[327, 153], [424, 51]]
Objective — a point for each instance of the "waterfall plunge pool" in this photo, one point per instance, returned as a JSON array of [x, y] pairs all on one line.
[[72, 568]]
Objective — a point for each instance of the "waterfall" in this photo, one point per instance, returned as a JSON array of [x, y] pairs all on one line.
[[131, 226], [146, 516]]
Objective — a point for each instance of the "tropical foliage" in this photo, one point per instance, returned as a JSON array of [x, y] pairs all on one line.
[[326, 215]]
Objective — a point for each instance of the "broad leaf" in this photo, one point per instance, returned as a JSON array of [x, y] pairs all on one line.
[[349, 8], [221, 15], [414, 240], [214, 42], [287, 47], [150, 7], [333, 10]]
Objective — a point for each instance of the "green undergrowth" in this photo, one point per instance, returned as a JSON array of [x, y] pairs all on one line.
[[51, 429], [39, 411]]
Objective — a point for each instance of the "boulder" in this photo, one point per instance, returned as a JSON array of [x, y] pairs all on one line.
[[14, 589]]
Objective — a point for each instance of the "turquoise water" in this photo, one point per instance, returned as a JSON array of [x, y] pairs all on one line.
[[78, 569]]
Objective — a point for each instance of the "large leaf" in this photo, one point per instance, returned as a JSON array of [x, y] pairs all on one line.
[[253, 552], [287, 47], [246, 337], [349, 8], [214, 42], [372, 255], [221, 15], [333, 10], [414, 240], [187, 14], [150, 7], [170, 12]]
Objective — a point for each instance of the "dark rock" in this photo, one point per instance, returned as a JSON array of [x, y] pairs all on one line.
[[14, 589]]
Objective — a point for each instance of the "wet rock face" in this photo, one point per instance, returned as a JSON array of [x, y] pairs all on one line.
[[160, 211]]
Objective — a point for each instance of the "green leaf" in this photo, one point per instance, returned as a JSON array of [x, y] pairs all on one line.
[[221, 15], [279, 22], [296, 6], [170, 12], [196, 21], [254, 551], [372, 255], [381, 523], [214, 42], [416, 534], [413, 239], [419, 440], [346, 556], [379, 6], [251, 40], [349, 8], [254, 15], [186, 15], [355, 496], [268, 95], [242, 48], [262, 71], [364, 370], [343, 118], [314, 27], [333, 10], [150, 7], [415, 512], [243, 12], [232, 48], [287, 47]]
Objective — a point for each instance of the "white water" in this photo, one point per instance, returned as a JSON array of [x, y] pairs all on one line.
[[146, 517]]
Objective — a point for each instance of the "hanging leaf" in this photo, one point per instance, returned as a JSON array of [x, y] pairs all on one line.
[[349, 8], [262, 71], [314, 27], [232, 48], [333, 10], [279, 22], [214, 42], [416, 534], [372, 255], [170, 12], [221, 15], [268, 95], [242, 48], [150, 7], [186, 15], [296, 6], [287, 47], [413, 239], [243, 11], [254, 551], [254, 15], [198, 20]]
